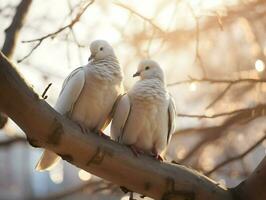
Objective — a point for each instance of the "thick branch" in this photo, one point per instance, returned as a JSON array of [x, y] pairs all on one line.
[[12, 31], [105, 158], [11, 34]]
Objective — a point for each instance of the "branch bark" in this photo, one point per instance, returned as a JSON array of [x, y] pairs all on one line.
[[11, 34], [12, 31], [44, 127]]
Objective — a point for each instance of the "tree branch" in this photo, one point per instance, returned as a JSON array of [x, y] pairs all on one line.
[[215, 132], [12, 31], [11, 35], [44, 127], [232, 159], [262, 106], [53, 34]]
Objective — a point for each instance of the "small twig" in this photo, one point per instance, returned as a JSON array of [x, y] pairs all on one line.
[[53, 34], [220, 95], [219, 20], [197, 53], [222, 164], [31, 51], [218, 81], [215, 115], [44, 96], [141, 16]]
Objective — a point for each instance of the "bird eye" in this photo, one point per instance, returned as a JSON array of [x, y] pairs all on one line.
[[146, 68], [101, 48]]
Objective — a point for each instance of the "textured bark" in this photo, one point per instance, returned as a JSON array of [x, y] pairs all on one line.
[[44, 127], [11, 34]]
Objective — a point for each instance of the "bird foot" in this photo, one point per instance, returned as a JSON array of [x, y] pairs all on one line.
[[83, 129], [135, 150], [103, 135], [157, 157]]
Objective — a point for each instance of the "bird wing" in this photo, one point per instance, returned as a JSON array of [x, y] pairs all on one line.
[[171, 118], [120, 117], [111, 114], [70, 92], [68, 96]]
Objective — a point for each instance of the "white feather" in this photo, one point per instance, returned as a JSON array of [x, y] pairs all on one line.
[[120, 117]]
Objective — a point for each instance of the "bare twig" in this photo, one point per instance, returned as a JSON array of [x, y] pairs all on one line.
[[215, 115], [240, 156], [215, 132], [220, 96], [197, 53], [53, 34], [218, 81], [13, 30], [44, 96], [141, 16]]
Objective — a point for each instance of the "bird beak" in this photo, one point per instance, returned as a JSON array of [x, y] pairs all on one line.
[[91, 57], [136, 74]]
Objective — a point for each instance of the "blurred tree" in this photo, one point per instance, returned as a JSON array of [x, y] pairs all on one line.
[[223, 50]]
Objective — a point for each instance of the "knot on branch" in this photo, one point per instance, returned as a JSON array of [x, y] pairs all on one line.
[[55, 136], [98, 157]]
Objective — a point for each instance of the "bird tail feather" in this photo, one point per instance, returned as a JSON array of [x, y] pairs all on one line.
[[47, 161]]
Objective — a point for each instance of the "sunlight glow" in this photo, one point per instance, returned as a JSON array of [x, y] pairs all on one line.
[[259, 65], [181, 153], [222, 182], [193, 86], [124, 198], [209, 112], [83, 175], [57, 174]]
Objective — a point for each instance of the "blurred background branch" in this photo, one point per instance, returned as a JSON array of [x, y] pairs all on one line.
[[213, 54]]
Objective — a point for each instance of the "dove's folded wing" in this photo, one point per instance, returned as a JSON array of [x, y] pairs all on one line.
[[69, 94], [71, 90], [120, 117], [171, 118]]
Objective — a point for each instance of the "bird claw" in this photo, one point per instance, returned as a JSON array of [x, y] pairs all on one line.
[[82, 128], [158, 157], [135, 150]]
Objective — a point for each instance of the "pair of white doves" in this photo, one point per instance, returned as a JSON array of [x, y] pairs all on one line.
[[144, 118]]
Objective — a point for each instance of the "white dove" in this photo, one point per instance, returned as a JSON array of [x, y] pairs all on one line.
[[144, 118], [89, 94]]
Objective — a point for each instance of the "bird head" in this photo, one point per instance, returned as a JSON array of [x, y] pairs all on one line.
[[100, 49], [149, 69]]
